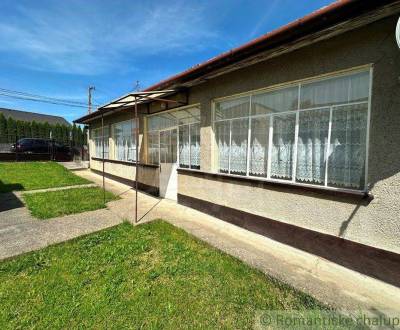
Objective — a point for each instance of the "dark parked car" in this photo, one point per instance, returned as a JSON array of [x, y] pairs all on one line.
[[42, 146], [32, 146]]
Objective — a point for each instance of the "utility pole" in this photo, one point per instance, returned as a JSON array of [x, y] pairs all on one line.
[[90, 89]]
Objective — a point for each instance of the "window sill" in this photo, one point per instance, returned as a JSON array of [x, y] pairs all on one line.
[[123, 162], [362, 195]]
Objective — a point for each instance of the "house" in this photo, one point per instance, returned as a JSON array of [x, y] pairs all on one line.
[[33, 116], [294, 135]]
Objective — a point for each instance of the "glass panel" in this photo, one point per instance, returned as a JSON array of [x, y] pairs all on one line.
[[195, 146], [238, 152], [173, 145], [275, 101], [153, 146], [259, 146], [345, 89], [282, 146], [124, 137], [172, 119], [236, 108], [188, 116], [161, 121], [222, 140], [348, 146], [164, 143], [98, 142], [311, 146], [359, 87], [184, 147]]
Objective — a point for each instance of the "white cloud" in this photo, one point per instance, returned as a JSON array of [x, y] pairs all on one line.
[[84, 37]]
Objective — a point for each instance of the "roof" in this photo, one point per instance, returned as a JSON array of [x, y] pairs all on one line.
[[326, 18], [33, 116]]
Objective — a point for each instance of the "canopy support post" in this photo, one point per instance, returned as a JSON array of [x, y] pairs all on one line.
[[137, 159], [102, 142]]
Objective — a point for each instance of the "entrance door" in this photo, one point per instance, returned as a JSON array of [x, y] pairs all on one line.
[[168, 164]]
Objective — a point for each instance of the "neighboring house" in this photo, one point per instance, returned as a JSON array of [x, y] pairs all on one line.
[[294, 135], [33, 116]]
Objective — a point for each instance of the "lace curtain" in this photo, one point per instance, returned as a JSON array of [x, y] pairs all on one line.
[[282, 146], [184, 147], [195, 146], [348, 145], [124, 137], [347, 150], [222, 137], [311, 146], [238, 153], [98, 142], [259, 146]]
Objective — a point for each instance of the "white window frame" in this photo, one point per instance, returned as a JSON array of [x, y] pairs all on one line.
[[365, 68], [196, 105]]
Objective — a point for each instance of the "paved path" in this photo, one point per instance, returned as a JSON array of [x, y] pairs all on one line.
[[20, 232]]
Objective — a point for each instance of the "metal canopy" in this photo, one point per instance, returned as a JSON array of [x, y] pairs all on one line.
[[140, 97], [134, 98]]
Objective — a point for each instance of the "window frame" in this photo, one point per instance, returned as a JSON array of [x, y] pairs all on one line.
[[177, 127], [332, 75]]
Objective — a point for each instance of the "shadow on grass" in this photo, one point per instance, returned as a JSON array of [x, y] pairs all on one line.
[[8, 187], [9, 201]]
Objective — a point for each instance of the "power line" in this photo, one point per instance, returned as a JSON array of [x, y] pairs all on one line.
[[41, 98], [8, 91]]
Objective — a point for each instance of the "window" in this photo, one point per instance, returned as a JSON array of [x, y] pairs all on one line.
[[125, 141], [98, 142], [187, 122], [308, 133]]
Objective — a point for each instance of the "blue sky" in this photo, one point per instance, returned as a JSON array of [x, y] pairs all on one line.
[[59, 48]]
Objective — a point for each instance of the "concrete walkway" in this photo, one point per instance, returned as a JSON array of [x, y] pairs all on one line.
[[20, 232], [75, 166], [327, 281]]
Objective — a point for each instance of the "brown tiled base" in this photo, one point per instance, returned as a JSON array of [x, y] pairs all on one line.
[[154, 191], [381, 264]]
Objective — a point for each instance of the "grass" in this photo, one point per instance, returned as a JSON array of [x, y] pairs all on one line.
[[35, 175], [149, 276], [50, 204]]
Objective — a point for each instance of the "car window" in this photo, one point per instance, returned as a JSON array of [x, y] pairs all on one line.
[[40, 143], [25, 142]]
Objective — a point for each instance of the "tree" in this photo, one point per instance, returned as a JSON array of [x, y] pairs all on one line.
[[27, 129], [74, 132], [57, 133], [3, 129], [20, 129], [35, 132], [11, 130], [46, 130]]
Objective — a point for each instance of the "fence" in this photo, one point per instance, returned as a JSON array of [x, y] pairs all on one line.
[[40, 148]]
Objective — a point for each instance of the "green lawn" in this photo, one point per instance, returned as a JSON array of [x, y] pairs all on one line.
[[149, 276], [35, 175], [50, 204]]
